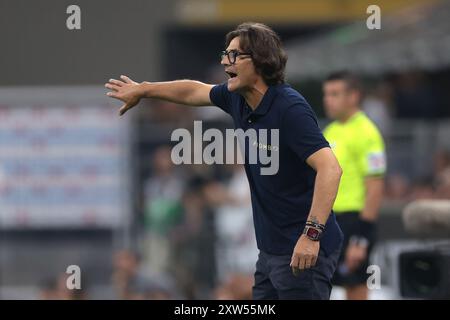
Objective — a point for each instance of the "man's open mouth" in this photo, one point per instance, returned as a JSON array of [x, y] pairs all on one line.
[[231, 74]]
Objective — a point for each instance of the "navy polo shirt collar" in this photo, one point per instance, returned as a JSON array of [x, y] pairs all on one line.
[[265, 104]]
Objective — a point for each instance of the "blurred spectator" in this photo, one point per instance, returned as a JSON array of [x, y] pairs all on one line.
[[422, 189], [162, 208], [415, 97], [131, 281], [443, 185], [194, 239], [441, 162], [378, 107], [436, 186], [162, 112], [125, 273], [442, 174], [154, 287], [236, 249], [56, 289], [236, 287], [150, 292], [47, 290], [397, 187]]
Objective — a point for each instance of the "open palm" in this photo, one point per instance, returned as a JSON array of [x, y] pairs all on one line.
[[125, 90]]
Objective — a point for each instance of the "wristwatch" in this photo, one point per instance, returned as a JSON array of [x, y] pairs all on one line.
[[312, 233]]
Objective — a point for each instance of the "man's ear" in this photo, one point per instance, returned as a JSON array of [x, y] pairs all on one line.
[[355, 96]]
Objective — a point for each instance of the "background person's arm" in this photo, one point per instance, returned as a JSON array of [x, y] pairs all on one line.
[[373, 162], [374, 197], [357, 251], [188, 92]]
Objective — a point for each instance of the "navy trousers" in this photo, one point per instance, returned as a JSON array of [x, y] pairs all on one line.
[[274, 279]]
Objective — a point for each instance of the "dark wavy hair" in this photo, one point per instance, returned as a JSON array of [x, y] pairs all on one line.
[[351, 80], [265, 47]]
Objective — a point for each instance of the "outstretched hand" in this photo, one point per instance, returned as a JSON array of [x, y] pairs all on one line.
[[126, 90]]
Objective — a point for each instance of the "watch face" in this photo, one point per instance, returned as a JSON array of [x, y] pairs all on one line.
[[312, 233]]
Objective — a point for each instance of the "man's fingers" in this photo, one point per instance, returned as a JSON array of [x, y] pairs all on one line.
[[308, 262], [126, 79], [112, 87], [294, 261], [124, 109], [302, 262], [294, 265], [313, 261], [112, 95], [116, 82]]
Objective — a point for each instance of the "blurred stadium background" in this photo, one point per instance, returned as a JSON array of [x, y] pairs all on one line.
[[79, 186]]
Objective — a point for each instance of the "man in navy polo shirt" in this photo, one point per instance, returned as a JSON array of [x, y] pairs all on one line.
[[296, 231]]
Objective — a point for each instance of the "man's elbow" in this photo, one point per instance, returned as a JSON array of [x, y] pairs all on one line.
[[339, 171], [332, 170], [335, 167], [327, 164], [335, 170]]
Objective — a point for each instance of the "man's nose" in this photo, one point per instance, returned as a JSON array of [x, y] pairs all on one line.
[[224, 61]]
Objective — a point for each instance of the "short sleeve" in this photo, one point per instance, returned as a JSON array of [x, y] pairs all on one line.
[[302, 132], [373, 154], [221, 97]]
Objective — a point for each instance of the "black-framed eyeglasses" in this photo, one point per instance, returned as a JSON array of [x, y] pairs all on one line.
[[232, 55]]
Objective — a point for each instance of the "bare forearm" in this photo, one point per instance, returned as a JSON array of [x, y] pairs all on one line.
[[325, 191], [188, 92], [374, 196]]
